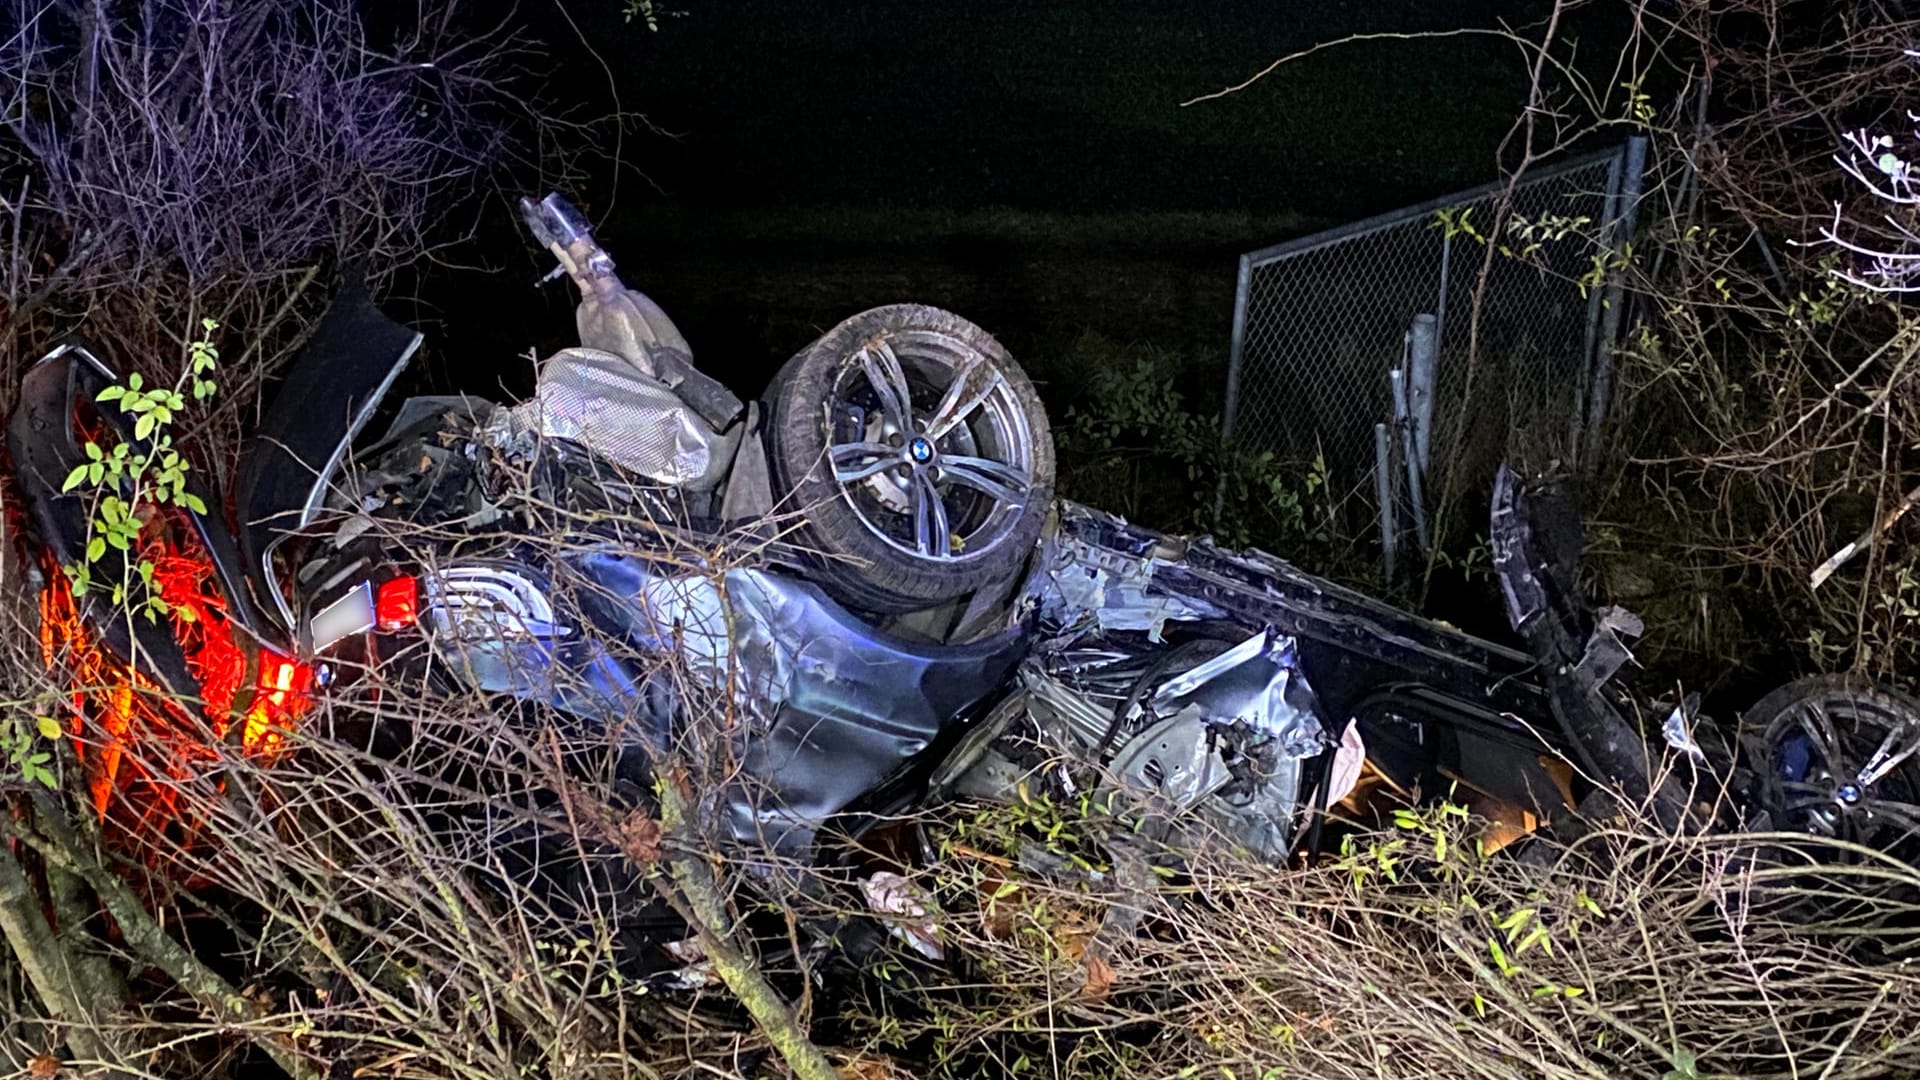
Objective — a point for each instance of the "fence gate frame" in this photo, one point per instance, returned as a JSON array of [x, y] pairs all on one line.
[[1604, 304]]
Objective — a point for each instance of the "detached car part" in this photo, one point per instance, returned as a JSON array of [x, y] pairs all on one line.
[[918, 453]]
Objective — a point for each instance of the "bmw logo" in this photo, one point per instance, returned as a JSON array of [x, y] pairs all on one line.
[[920, 449]]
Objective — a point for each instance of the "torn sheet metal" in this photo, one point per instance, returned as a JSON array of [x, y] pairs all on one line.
[[1248, 722], [1607, 650], [1107, 586], [621, 413], [1218, 730], [1357, 641], [1257, 683]]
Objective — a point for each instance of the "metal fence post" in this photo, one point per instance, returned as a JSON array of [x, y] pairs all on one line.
[[1620, 236], [1383, 490], [1583, 384], [1423, 357], [1410, 454], [1236, 355]]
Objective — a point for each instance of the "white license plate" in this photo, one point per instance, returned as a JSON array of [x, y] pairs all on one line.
[[351, 614]]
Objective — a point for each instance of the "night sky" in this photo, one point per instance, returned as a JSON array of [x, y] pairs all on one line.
[[1027, 164]]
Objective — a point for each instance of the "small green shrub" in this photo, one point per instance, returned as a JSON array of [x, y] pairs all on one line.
[[126, 481], [1135, 443]]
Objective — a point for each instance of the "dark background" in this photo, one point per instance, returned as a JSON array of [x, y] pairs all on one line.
[[1027, 164]]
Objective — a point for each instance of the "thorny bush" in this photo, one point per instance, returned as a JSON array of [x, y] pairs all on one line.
[[422, 884]]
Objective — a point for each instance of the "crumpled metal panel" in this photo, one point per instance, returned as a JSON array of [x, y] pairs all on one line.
[[621, 413], [1224, 741], [833, 705], [718, 626], [1257, 682], [1352, 643], [1092, 577], [579, 678]]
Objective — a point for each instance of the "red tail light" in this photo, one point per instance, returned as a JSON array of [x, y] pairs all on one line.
[[397, 604], [282, 679], [279, 701]]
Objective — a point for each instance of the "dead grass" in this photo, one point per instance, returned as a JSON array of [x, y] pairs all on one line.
[[1626, 953], [367, 894]]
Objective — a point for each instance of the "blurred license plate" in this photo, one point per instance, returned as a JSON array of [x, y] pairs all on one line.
[[351, 614]]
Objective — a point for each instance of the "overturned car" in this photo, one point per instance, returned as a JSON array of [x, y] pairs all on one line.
[[865, 579]]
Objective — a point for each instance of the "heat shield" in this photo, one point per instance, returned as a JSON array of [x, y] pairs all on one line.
[[621, 413]]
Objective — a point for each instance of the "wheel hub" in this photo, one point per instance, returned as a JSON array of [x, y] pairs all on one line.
[[1843, 765], [945, 454]]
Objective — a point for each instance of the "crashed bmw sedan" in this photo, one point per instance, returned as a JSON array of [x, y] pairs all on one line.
[[905, 612]]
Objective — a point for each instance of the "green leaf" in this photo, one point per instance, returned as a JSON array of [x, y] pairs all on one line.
[[194, 503], [75, 478], [1685, 1066], [112, 393], [49, 727], [134, 381], [96, 548], [1515, 922], [1500, 960], [144, 426]]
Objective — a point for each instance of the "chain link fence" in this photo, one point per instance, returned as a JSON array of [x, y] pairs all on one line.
[[1322, 323]]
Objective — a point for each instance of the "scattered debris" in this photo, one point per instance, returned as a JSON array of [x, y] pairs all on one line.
[[905, 907], [1675, 731], [1864, 541]]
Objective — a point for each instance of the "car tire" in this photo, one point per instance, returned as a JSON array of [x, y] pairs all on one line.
[[908, 505], [1817, 741]]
